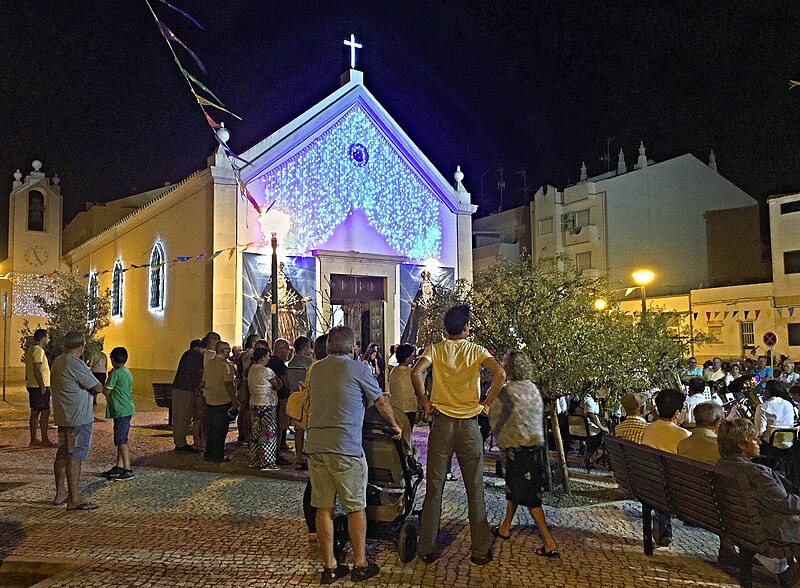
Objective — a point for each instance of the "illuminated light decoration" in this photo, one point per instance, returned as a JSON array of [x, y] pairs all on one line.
[[353, 46], [353, 165], [25, 289]]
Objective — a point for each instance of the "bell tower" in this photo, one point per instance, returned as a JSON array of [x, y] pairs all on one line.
[[34, 223]]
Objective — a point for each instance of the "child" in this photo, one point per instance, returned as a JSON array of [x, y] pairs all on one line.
[[119, 406]]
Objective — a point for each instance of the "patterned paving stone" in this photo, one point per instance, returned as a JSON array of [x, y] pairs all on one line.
[[183, 522]]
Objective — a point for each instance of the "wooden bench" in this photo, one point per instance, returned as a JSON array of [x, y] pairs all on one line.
[[693, 492], [163, 397]]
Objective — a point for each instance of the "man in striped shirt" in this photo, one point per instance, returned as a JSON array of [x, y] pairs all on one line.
[[632, 428]]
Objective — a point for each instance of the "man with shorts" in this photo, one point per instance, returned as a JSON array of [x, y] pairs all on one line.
[[339, 388], [74, 388], [37, 380], [455, 364]]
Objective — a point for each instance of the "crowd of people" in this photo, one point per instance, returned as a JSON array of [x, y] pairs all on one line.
[[695, 424]]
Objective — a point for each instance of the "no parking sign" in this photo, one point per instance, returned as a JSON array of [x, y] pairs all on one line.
[[770, 339]]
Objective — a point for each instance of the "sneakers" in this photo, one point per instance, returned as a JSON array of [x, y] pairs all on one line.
[[481, 561], [125, 475], [429, 558], [113, 472], [269, 468], [360, 574], [329, 576]]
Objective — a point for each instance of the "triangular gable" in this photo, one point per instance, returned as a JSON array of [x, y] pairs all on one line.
[[345, 158]]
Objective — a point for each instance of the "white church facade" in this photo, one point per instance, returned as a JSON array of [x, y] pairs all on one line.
[[360, 215]]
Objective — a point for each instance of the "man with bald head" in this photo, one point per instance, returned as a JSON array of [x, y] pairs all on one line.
[[220, 397]]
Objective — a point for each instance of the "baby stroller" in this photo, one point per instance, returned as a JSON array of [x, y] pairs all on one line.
[[394, 475]]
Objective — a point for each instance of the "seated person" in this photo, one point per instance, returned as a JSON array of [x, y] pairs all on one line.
[[779, 509], [702, 445], [666, 433], [697, 395], [691, 370], [591, 410], [776, 412], [632, 428]]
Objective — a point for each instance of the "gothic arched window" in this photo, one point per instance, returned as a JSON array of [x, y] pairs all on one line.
[[116, 290], [93, 292], [158, 274], [35, 211]]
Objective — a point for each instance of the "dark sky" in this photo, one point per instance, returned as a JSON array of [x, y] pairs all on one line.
[[91, 89]]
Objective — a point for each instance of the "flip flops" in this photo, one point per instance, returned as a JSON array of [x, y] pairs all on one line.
[[496, 532], [544, 553], [85, 506], [61, 502]]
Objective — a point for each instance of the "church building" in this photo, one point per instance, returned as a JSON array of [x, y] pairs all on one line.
[[362, 220]]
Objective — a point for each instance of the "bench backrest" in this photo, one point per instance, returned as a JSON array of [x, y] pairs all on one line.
[[691, 490]]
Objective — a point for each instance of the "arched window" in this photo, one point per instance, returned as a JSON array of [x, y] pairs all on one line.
[[35, 211], [116, 290], [158, 273], [93, 292]]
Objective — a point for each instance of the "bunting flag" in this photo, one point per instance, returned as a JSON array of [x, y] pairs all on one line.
[[746, 312], [725, 315], [250, 198], [212, 123], [708, 316], [170, 36], [184, 13], [215, 254], [716, 315], [779, 311], [757, 312], [791, 311], [183, 258], [201, 256], [735, 312], [695, 315], [203, 102]]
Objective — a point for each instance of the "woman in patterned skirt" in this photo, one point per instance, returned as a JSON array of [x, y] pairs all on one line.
[[517, 419], [262, 384]]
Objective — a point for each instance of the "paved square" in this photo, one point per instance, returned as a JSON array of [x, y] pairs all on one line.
[[184, 522]]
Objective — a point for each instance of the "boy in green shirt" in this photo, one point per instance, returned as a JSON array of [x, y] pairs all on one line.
[[119, 406]]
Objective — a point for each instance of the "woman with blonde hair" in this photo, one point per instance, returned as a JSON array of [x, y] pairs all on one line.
[[517, 419]]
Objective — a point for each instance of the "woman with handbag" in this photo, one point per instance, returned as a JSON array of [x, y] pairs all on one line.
[[262, 384], [517, 419]]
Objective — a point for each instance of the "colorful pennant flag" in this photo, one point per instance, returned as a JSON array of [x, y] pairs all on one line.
[[779, 311], [695, 315], [716, 315], [757, 312], [184, 13], [725, 314], [170, 36], [735, 312], [791, 310]]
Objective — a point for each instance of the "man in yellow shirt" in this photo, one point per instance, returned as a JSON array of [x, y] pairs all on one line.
[[37, 380], [455, 364]]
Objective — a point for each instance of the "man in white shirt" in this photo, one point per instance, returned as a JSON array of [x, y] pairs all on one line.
[[715, 372], [788, 375], [698, 394], [776, 412]]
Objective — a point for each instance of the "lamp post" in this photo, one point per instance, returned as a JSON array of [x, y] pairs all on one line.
[[600, 304], [274, 291], [642, 278]]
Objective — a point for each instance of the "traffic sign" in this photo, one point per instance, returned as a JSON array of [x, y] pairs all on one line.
[[770, 339]]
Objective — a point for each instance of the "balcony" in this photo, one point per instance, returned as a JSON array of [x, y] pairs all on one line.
[[585, 234]]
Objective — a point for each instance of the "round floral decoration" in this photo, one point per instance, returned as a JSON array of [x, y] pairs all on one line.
[[359, 154]]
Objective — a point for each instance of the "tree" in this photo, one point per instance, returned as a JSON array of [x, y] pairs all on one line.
[[74, 307], [547, 310]]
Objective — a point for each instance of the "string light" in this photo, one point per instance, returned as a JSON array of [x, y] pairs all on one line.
[[25, 289], [351, 166]]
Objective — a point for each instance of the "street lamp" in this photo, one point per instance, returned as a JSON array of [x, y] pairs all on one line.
[[274, 293], [600, 304], [643, 277]]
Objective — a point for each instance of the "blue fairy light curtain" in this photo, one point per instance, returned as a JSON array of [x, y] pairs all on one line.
[[353, 165], [296, 283], [418, 284]]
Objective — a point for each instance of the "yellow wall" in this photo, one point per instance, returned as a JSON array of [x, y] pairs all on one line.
[[182, 221]]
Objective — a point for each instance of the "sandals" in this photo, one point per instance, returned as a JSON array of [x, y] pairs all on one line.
[[85, 506], [544, 553], [61, 502], [329, 576], [496, 532]]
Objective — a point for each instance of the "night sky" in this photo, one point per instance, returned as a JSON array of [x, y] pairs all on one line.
[[90, 88]]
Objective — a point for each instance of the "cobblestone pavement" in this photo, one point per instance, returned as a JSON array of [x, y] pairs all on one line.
[[183, 522]]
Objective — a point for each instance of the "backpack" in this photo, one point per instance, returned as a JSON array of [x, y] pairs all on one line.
[[298, 405]]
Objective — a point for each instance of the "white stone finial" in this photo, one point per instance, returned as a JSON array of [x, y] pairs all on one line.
[[642, 161], [17, 176], [37, 165], [621, 167], [223, 133], [459, 175], [584, 176], [712, 160]]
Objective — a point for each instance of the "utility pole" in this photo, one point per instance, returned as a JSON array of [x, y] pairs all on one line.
[[525, 188], [501, 185]]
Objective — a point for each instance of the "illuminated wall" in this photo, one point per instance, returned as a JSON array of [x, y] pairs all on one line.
[[350, 187]]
